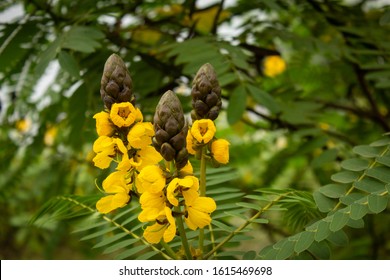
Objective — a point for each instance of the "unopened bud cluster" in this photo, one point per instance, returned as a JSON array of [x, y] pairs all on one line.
[[170, 130]]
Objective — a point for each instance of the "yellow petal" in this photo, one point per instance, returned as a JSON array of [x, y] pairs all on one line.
[[147, 156], [104, 126], [116, 182], [111, 202], [273, 65], [154, 233], [220, 150], [171, 192], [140, 135], [199, 212], [170, 232], [102, 160]]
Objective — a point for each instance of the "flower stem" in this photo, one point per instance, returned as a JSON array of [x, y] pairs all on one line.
[[202, 190], [169, 250], [183, 235]]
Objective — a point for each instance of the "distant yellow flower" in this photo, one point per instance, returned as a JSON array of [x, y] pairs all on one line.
[[140, 135], [152, 179], [164, 228], [106, 148], [198, 212], [187, 187], [50, 135], [124, 114], [23, 125], [273, 65], [104, 126], [220, 150], [203, 130], [115, 185]]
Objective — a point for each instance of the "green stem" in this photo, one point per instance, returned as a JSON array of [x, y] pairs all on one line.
[[169, 250], [183, 235], [202, 191]]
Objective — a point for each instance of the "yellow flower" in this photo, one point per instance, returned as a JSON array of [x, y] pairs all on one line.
[[273, 65], [147, 156], [104, 126], [115, 185], [220, 150], [140, 135], [190, 143], [50, 135], [151, 204], [124, 114], [187, 169], [165, 227], [198, 212], [203, 130], [188, 187], [23, 125], [152, 179], [106, 148]]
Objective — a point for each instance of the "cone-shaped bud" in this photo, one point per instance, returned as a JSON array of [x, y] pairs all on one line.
[[206, 94], [170, 130], [116, 84]]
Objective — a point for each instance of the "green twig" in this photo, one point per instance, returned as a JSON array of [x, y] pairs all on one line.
[[243, 226], [202, 191], [183, 235]]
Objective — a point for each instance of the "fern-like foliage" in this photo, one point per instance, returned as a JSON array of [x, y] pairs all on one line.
[[119, 234], [361, 188]]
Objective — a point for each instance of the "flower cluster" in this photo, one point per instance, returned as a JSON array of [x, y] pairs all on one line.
[[163, 197], [152, 159], [206, 95], [126, 140]]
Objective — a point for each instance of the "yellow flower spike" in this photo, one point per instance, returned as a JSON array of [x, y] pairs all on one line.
[[152, 179], [124, 114], [115, 184], [203, 130], [140, 135], [273, 65], [104, 126], [164, 228], [188, 187], [220, 150], [198, 212]]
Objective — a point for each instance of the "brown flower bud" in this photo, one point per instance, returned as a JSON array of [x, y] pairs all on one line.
[[116, 84], [206, 94], [170, 129]]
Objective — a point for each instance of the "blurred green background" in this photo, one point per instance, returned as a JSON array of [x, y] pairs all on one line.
[[290, 122]]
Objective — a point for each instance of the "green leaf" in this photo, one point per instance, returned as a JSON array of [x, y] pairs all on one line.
[[120, 245], [384, 141], [325, 157], [333, 190], [345, 177], [355, 164], [338, 238], [131, 252], [47, 56], [323, 231], [369, 185], [221, 225], [377, 203], [250, 255], [339, 220], [320, 250], [237, 104], [380, 173], [323, 203], [82, 38], [305, 239], [69, 64], [356, 223], [227, 79], [385, 160], [367, 151], [111, 239], [285, 249], [249, 205], [358, 210], [263, 98]]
